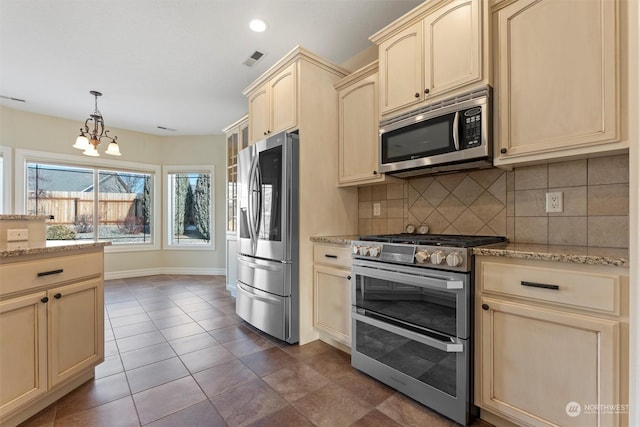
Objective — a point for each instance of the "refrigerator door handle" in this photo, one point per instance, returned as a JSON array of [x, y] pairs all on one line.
[[250, 203]]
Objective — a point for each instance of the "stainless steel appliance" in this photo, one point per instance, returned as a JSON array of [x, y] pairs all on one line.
[[446, 136], [412, 299], [267, 291]]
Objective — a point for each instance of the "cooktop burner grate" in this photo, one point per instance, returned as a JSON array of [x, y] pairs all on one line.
[[453, 240]]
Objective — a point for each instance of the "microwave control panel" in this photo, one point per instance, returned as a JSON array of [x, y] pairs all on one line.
[[471, 128]]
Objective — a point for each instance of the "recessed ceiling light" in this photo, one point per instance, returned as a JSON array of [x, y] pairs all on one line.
[[258, 25]]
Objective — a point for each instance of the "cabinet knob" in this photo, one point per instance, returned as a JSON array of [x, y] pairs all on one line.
[[58, 295], [417, 95], [375, 172], [264, 133], [426, 90], [485, 306], [349, 277], [45, 300], [503, 151]]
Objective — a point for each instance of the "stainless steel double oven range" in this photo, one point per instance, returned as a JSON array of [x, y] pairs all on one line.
[[412, 315]]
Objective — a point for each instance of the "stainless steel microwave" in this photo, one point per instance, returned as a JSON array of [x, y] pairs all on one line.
[[449, 136]]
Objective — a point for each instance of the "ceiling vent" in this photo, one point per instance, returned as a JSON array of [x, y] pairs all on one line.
[[10, 98], [253, 58]]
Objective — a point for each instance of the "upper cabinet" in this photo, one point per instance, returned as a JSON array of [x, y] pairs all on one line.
[[556, 75], [431, 52], [272, 106], [358, 153]]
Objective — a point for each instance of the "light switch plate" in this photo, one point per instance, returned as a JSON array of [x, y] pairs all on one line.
[[17, 234]]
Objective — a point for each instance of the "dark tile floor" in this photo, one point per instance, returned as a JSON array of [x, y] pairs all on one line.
[[177, 355]]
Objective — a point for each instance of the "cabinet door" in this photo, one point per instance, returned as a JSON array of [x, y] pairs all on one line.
[[332, 302], [232, 264], [452, 46], [23, 350], [536, 361], [76, 328], [259, 114], [358, 126], [283, 100], [556, 77], [400, 61]]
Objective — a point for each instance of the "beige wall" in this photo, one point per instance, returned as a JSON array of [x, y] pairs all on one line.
[[28, 131], [512, 204]]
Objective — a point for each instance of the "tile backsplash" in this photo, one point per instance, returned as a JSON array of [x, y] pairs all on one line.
[[495, 202]]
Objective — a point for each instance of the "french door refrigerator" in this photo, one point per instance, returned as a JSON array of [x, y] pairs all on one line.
[[267, 283]]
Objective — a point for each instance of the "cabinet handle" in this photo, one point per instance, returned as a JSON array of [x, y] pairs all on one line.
[[426, 90], [503, 151], [417, 95], [58, 295], [45, 300], [331, 256], [49, 273], [540, 285], [349, 277], [485, 306]]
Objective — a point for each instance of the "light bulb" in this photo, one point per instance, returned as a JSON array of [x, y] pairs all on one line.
[[258, 25]]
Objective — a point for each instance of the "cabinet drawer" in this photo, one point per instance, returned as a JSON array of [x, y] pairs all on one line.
[[572, 287], [336, 255], [22, 276]]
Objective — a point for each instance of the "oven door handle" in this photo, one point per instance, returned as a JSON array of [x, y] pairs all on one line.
[[422, 281], [449, 347]]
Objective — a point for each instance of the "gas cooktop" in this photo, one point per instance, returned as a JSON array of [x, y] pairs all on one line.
[[452, 240]]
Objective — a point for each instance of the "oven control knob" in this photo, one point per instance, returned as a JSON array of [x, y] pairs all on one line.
[[355, 249], [364, 250], [422, 257], [438, 258], [454, 259], [374, 251]]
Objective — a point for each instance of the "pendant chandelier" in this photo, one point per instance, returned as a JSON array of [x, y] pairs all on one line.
[[89, 139]]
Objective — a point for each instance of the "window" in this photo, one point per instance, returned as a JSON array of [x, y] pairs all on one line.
[[189, 207], [5, 179], [91, 202]]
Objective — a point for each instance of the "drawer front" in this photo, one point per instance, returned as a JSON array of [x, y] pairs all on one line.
[[590, 290], [336, 255], [22, 276]]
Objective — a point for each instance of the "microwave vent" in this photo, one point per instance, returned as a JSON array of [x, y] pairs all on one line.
[[482, 92]]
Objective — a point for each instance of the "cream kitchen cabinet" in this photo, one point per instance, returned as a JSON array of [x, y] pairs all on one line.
[[358, 151], [332, 292], [272, 106], [549, 334], [51, 328], [432, 52], [556, 79]]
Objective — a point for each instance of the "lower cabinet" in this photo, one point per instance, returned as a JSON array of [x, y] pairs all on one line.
[[540, 361], [232, 264], [332, 292], [51, 333]]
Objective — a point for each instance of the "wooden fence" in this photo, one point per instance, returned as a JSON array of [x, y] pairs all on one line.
[[67, 206]]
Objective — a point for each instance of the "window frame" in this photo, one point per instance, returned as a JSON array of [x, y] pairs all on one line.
[[168, 170], [22, 157], [6, 181]]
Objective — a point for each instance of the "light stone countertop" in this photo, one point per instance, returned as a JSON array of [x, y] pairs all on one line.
[[17, 217], [16, 249], [613, 257]]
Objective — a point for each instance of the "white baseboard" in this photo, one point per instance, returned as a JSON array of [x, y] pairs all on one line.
[[123, 274]]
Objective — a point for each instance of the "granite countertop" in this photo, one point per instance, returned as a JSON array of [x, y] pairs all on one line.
[[343, 240], [612, 257], [14, 249], [23, 217]]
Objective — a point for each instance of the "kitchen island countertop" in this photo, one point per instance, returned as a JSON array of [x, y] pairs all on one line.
[[15, 249]]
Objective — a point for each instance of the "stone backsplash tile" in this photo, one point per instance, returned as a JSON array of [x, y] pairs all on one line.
[[510, 203]]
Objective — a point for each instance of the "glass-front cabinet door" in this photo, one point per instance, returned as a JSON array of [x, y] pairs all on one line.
[[237, 139]]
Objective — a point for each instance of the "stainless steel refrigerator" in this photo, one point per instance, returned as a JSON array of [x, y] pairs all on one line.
[[267, 286]]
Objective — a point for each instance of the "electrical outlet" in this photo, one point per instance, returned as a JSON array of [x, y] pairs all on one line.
[[376, 209], [17, 234], [554, 202]]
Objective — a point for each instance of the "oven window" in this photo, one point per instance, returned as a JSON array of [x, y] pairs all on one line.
[[429, 365], [421, 139], [426, 308]]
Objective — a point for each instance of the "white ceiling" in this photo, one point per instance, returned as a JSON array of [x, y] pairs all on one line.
[[171, 63]]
